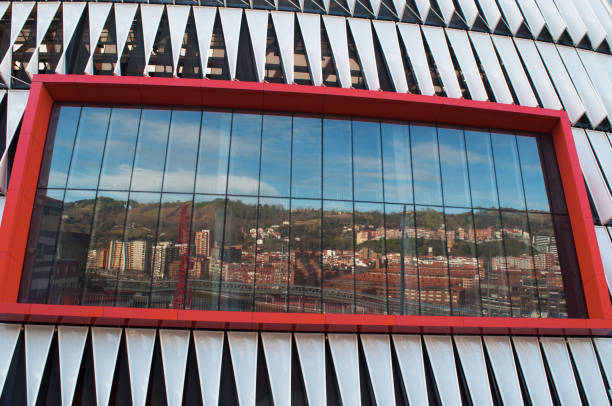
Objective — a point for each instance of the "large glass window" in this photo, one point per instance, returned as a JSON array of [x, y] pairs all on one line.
[[244, 211]]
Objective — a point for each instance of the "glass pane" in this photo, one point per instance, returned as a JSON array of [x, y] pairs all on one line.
[[338, 257], [425, 165], [462, 262], [244, 155], [214, 152], [58, 149], [182, 151], [272, 276], [480, 164], [533, 177], [305, 259], [132, 257], [548, 269], [88, 148], [553, 178], [570, 287], [71, 251], [454, 167], [306, 163], [492, 262], [519, 262], [396, 162], [151, 150], [367, 161], [207, 239], [508, 171], [108, 227], [370, 269], [171, 253], [119, 151], [337, 165], [432, 262], [275, 156], [239, 254], [38, 262]]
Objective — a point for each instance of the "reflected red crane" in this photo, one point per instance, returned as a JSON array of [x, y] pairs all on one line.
[[180, 298]]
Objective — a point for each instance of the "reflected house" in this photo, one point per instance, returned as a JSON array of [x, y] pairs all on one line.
[[164, 255]]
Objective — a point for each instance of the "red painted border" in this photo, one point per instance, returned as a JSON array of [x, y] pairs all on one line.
[[47, 89]]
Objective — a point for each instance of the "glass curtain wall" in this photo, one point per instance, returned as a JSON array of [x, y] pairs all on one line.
[[235, 210]]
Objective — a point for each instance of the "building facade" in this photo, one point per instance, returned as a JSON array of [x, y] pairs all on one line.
[[314, 202]]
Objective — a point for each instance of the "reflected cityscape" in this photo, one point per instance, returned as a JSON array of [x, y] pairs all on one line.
[[402, 235]]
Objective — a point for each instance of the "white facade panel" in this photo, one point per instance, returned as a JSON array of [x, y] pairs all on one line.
[[440, 351], [98, 13], [177, 21], [346, 364], [71, 14], [491, 13], [605, 249], [513, 14], [377, 351], [231, 20], [463, 51], [277, 350], [603, 151], [532, 14], [71, 343], [311, 351], [209, 354], [139, 343], [257, 20], [243, 347], [488, 59], [560, 367], [500, 353], [285, 32], [554, 21], [602, 80], [412, 367], [19, 14], [174, 347], [37, 343], [310, 27], [575, 26], [595, 30], [204, 18], [338, 41], [532, 366], [437, 44], [9, 334], [470, 11], [387, 37], [588, 370], [124, 15], [44, 15], [413, 42], [474, 368], [105, 347], [364, 42], [151, 16], [512, 63]]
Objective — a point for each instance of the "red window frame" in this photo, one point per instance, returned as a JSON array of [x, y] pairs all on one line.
[[45, 90]]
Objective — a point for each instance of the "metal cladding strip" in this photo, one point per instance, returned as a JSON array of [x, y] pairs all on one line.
[[16, 104], [488, 58], [400, 7], [491, 13], [231, 19], [595, 108], [423, 7], [603, 152], [338, 41], [604, 350], [600, 193], [257, 21], [375, 6], [413, 42], [177, 21], [560, 78], [277, 350], [361, 29], [204, 18], [209, 354], [504, 369], [597, 73], [377, 351], [71, 343], [514, 68], [243, 349], [513, 14], [44, 15], [470, 11], [447, 8], [311, 352], [554, 21], [387, 37], [437, 44], [19, 15], [98, 13], [351, 6], [410, 359], [124, 16], [150, 18], [310, 27], [532, 14], [37, 343], [604, 17], [588, 370], [463, 51], [71, 15], [442, 360], [285, 32], [575, 26], [140, 343], [532, 367], [537, 73], [595, 30], [560, 367], [346, 364], [605, 249], [3, 7], [9, 334], [174, 347], [474, 367], [105, 344]]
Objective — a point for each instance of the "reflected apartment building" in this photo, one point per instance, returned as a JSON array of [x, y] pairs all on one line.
[[306, 202]]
